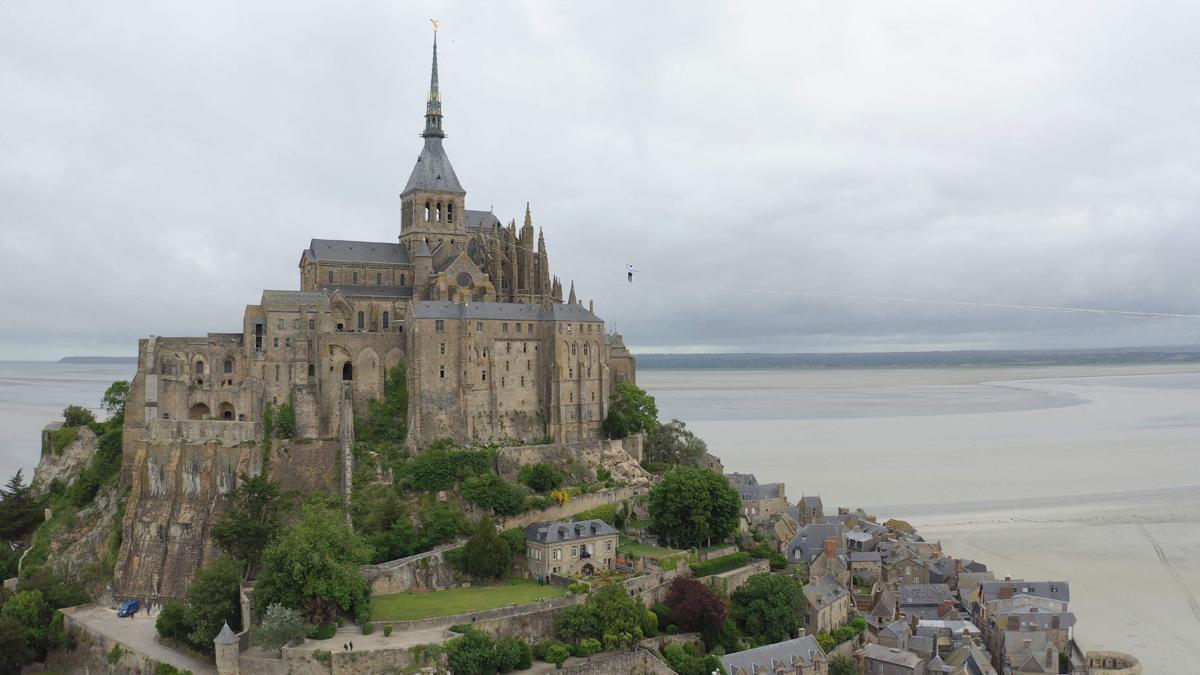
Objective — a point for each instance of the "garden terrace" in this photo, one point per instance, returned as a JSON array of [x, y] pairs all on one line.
[[452, 601]]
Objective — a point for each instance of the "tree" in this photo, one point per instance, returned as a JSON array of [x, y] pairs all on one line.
[[172, 621], [840, 664], [253, 520], [769, 607], [576, 623], [617, 613], [692, 506], [386, 421], [540, 477], [114, 399], [486, 555], [513, 653], [515, 538], [16, 651], [29, 609], [695, 607], [280, 625], [472, 654], [672, 444], [631, 410], [20, 510], [214, 600], [77, 416], [490, 491], [315, 559]]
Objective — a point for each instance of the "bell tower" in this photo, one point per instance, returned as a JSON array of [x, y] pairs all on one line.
[[433, 201]]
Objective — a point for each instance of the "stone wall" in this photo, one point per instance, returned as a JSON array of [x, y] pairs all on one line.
[[200, 431], [579, 460], [576, 505], [419, 573], [639, 662], [732, 580], [718, 552], [1112, 663], [306, 465]]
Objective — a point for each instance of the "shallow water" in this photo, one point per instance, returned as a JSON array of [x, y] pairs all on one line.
[[1084, 473]]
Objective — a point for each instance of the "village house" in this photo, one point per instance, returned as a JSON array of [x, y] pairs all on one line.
[[895, 634], [830, 563], [810, 510], [866, 567], [569, 549], [761, 502], [904, 567], [926, 601], [809, 542], [828, 604], [801, 656], [880, 660]]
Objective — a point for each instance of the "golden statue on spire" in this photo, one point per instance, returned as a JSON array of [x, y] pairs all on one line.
[[435, 23]]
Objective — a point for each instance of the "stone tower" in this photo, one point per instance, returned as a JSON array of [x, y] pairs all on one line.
[[433, 200], [227, 651]]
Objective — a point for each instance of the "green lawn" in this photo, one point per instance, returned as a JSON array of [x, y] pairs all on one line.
[[409, 606], [630, 546]]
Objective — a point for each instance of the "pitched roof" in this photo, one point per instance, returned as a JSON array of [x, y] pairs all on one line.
[[1053, 590], [896, 629], [811, 501], [899, 657], [433, 171], [516, 311], [805, 649], [761, 491], [480, 220], [294, 301], [865, 556], [924, 594], [741, 478], [344, 250], [550, 533], [824, 591]]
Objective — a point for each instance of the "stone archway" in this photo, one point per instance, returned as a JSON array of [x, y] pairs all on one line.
[[198, 411], [227, 412], [587, 570]]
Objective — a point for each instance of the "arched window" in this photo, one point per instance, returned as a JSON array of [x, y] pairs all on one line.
[[450, 213], [228, 366], [585, 351], [199, 367], [362, 321], [379, 278], [427, 212], [354, 277], [439, 212], [348, 371], [227, 412], [385, 320], [312, 370], [572, 349], [331, 276]]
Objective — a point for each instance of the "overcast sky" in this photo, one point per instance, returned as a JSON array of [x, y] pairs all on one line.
[[162, 162]]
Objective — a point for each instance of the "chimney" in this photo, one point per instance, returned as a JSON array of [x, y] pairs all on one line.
[[802, 631], [1006, 592], [831, 547], [1049, 654], [944, 607]]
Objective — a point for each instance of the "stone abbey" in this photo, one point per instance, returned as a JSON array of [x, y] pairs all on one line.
[[493, 354]]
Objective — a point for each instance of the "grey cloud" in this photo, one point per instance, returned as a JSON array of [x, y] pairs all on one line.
[[159, 165]]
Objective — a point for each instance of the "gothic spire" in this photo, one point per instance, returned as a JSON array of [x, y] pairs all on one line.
[[433, 107], [572, 300]]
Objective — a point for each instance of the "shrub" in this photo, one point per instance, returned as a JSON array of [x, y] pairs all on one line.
[[631, 410], [439, 468], [280, 625], [77, 416], [513, 653], [515, 538], [168, 669], [490, 491], [557, 654], [323, 656], [323, 631], [114, 655], [722, 564], [368, 628], [172, 621], [387, 630], [540, 477], [589, 646]]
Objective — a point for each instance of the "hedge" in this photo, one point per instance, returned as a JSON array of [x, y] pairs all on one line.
[[722, 564]]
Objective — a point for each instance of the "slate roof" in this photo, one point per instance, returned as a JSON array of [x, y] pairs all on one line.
[[811, 501], [899, 657], [924, 594], [885, 605], [480, 220], [514, 311], [343, 250], [865, 556], [895, 629], [860, 536], [368, 291], [226, 636], [759, 492], [770, 656], [955, 627], [294, 301], [810, 540], [559, 531], [1054, 590], [1035, 620], [741, 478], [433, 171], [824, 591]]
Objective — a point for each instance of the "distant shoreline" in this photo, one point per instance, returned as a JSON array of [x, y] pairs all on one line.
[[943, 359], [98, 360]]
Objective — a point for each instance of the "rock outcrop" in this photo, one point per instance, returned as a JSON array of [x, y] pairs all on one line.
[[63, 464]]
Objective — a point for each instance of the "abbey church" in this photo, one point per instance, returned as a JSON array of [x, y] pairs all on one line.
[[492, 353], [468, 304]]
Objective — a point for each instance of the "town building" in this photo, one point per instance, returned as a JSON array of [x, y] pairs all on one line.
[[570, 549], [880, 660], [827, 606], [801, 656]]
